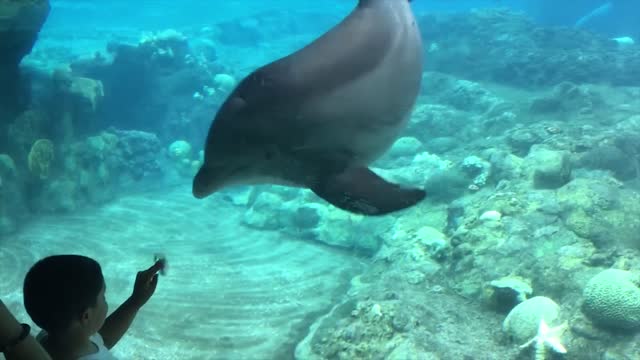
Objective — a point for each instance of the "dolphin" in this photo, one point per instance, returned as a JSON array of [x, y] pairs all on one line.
[[318, 117]]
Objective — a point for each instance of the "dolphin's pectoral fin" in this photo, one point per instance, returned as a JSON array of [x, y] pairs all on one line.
[[359, 190]]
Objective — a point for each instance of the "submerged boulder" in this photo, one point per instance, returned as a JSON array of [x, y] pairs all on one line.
[[20, 23]]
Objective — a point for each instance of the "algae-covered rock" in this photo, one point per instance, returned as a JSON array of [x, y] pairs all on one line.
[[611, 158], [76, 101], [522, 139], [24, 130], [434, 242], [612, 299], [551, 169], [599, 210]]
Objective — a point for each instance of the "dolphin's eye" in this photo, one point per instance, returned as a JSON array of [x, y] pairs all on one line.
[[271, 152]]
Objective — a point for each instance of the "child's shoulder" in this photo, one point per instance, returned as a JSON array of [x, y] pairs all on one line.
[[103, 353]]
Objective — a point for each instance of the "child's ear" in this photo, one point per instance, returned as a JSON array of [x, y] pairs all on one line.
[[84, 318]]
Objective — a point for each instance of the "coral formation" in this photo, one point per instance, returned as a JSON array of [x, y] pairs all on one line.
[[523, 321], [40, 157], [612, 299]]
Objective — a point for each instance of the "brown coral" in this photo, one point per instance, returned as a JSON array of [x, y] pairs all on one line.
[[40, 158]]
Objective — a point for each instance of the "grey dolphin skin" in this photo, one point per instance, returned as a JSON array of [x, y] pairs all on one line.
[[318, 117]]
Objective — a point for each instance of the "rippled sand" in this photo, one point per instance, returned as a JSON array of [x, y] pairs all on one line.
[[230, 292]]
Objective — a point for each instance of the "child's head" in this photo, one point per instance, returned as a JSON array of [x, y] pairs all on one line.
[[64, 292]]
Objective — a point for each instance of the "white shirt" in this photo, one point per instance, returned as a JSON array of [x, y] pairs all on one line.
[[102, 354]]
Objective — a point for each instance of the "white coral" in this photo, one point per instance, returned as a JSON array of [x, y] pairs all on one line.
[[547, 337]]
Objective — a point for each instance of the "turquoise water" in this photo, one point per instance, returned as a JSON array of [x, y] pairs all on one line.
[[524, 134]]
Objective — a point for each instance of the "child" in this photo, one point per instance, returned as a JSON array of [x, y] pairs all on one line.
[[65, 296]]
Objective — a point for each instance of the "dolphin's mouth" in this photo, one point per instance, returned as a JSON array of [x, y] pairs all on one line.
[[209, 179]]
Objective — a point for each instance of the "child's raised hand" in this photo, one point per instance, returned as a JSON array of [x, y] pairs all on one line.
[[145, 285]]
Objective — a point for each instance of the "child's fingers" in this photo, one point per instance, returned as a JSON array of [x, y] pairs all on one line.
[[157, 266], [151, 286]]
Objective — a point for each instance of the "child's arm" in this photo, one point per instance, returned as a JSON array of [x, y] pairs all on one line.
[[119, 321], [11, 332]]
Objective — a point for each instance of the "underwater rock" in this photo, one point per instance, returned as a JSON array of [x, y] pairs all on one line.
[[504, 165], [471, 97], [300, 215], [550, 169], [95, 169], [609, 157], [261, 214], [405, 146], [436, 245], [138, 79], [569, 98], [478, 169], [180, 149], [167, 48], [446, 185], [20, 24], [24, 130], [180, 154], [61, 195], [507, 292], [599, 210], [75, 102], [441, 144], [612, 299], [224, 82], [11, 202], [408, 350], [522, 139], [522, 322], [411, 171], [434, 120], [546, 105], [139, 153], [507, 47], [490, 216]]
